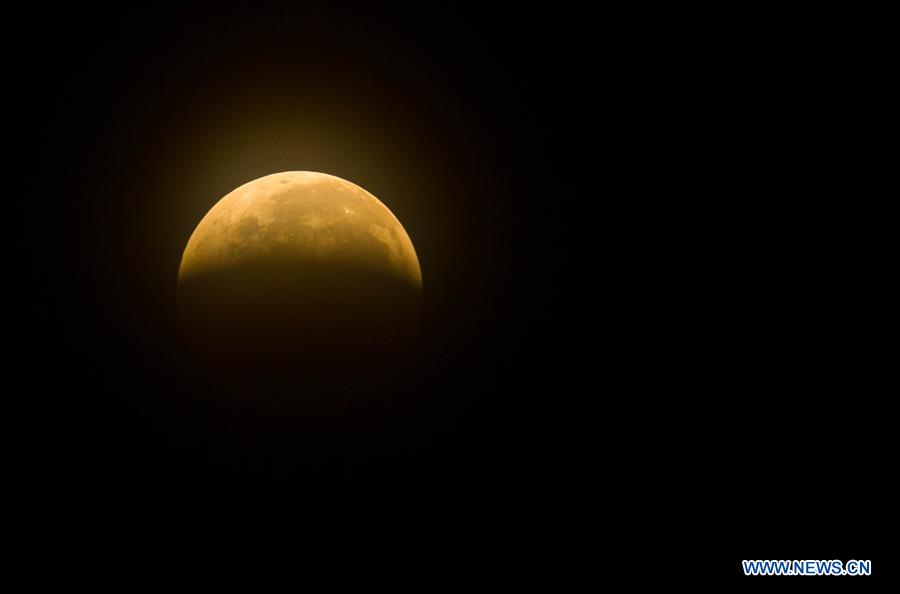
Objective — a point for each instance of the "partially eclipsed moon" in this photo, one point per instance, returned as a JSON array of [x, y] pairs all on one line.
[[305, 214], [299, 276]]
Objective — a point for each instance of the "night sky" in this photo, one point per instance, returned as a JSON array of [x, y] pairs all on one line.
[[637, 242]]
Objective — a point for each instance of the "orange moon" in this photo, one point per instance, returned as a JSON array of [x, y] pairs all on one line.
[[299, 280]]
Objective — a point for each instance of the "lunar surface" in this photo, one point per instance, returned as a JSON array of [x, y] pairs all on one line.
[[301, 213], [299, 281]]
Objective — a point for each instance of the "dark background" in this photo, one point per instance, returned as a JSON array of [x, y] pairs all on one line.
[[652, 253]]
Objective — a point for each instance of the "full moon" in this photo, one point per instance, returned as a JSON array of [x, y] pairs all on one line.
[[299, 281]]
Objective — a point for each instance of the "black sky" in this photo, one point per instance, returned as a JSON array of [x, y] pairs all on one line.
[[651, 258]]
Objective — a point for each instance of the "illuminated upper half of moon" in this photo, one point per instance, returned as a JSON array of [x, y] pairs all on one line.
[[305, 215]]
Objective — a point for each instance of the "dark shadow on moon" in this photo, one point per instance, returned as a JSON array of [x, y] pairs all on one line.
[[309, 356], [302, 336]]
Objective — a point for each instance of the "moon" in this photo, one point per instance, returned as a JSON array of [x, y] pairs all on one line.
[[299, 280]]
